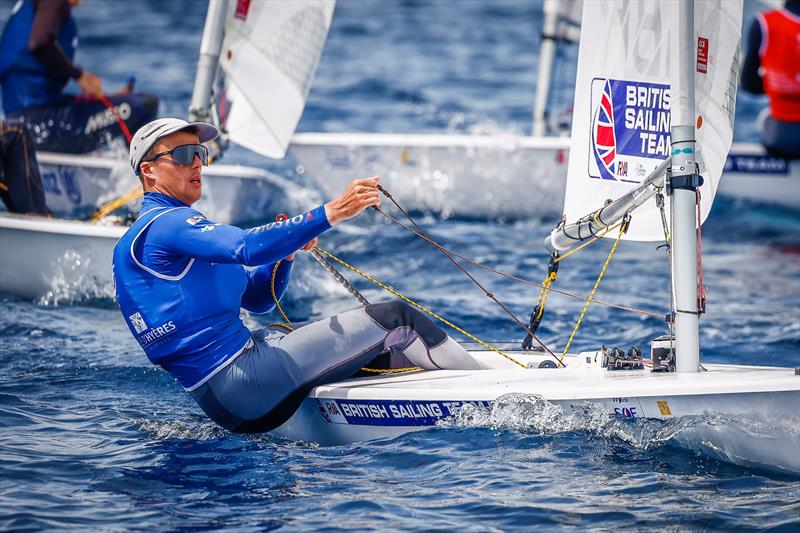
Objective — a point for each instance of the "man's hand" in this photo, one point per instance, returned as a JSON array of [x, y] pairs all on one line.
[[307, 246], [359, 195], [90, 84]]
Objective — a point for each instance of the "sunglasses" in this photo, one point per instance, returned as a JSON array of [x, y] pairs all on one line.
[[184, 154]]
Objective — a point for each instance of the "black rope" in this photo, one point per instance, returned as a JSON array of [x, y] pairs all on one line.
[[462, 269]]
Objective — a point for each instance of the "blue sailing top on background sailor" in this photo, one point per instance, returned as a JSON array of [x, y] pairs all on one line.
[[38, 47], [34, 67]]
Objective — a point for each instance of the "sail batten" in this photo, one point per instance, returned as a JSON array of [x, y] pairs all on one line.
[[623, 106]]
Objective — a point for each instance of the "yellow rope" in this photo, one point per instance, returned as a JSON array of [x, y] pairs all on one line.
[[587, 243], [275, 297], [105, 209], [540, 303], [623, 227], [420, 307], [391, 370], [289, 328]]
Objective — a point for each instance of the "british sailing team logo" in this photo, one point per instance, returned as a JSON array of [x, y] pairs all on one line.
[[630, 133], [604, 142]]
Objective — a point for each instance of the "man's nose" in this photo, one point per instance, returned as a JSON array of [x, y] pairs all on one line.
[[197, 163]]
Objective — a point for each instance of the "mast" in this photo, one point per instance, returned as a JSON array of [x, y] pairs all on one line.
[[683, 187], [544, 76], [210, 46]]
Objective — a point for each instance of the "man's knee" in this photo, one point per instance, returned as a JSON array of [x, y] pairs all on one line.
[[397, 314]]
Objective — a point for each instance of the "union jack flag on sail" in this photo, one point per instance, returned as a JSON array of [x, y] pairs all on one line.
[[604, 142]]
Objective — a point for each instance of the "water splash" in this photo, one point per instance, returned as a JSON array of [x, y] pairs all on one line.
[[76, 280], [739, 440]]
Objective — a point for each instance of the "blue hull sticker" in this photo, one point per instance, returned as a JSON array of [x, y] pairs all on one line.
[[756, 164], [391, 412]]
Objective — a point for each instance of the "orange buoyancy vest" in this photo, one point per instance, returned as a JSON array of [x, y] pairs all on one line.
[[780, 59]]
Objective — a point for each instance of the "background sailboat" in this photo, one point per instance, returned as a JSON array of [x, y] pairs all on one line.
[[467, 174], [743, 413], [270, 53], [256, 45]]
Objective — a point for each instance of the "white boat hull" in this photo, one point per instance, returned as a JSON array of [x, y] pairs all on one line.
[[743, 414], [75, 185], [489, 177], [454, 175], [54, 260]]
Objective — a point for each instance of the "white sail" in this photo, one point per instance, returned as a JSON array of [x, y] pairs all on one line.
[[621, 120], [269, 55]]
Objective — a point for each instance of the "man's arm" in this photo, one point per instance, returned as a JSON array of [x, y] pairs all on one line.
[[751, 80], [187, 233], [47, 20], [257, 297]]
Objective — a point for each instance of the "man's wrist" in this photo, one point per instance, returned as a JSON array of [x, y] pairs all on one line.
[[331, 213]]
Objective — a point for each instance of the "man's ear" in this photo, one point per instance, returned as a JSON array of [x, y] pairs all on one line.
[[148, 179]]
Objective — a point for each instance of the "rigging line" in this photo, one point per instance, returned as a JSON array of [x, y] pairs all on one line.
[[587, 243], [471, 277], [122, 125], [336, 275], [421, 307], [113, 205], [659, 198], [701, 290], [275, 297], [330, 268], [622, 229], [516, 278]]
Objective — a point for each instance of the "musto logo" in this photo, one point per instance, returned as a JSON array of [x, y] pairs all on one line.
[[630, 129]]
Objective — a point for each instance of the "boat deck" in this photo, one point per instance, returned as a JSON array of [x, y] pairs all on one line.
[[577, 381]]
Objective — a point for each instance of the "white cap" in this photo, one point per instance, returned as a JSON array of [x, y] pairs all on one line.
[[146, 136]]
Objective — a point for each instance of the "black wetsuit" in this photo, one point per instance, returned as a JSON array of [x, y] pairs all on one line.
[[20, 182]]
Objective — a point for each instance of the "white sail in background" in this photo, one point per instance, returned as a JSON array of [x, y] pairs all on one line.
[[621, 118], [269, 55]]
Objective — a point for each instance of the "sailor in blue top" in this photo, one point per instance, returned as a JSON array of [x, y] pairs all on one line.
[[37, 53], [181, 281]]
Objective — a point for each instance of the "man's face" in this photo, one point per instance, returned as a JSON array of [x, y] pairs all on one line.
[[182, 182]]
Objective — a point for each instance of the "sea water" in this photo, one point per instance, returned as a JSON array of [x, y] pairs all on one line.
[[93, 436]]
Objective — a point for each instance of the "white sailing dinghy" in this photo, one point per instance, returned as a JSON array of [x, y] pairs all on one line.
[[507, 175], [256, 45], [652, 75], [76, 185]]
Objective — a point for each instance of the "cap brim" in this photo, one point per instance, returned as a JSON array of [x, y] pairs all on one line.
[[205, 131]]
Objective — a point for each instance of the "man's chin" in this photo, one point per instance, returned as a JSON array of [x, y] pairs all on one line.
[[195, 196]]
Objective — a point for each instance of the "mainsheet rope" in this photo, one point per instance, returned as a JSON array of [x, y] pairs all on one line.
[[286, 324], [449, 254], [517, 278], [470, 276]]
